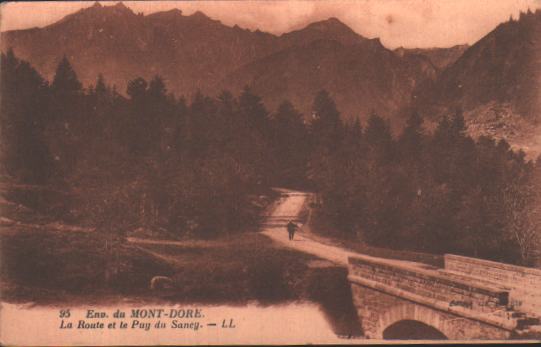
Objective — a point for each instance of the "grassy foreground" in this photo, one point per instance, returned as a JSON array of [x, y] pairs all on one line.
[[49, 267], [44, 265]]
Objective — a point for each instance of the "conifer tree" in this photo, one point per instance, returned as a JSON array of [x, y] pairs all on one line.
[[25, 154], [65, 80], [412, 140], [290, 143], [379, 139], [326, 125]]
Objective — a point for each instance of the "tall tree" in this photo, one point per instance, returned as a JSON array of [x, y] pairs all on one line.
[[411, 142], [379, 139], [65, 80], [137, 89], [326, 126], [157, 89], [101, 88], [290, 144], [253, 134], [25, 154], [253, 111], [523, 212]]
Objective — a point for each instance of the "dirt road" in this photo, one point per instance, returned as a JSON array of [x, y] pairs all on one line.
[[288, 208]]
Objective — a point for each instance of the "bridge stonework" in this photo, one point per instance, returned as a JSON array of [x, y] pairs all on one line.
[[524, 284], [455, 304], [378, 311]]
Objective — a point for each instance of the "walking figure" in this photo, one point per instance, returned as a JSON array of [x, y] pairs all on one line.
[[291, 227]]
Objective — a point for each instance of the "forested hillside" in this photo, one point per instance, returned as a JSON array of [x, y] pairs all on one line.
[[146, 160], [198, 167]]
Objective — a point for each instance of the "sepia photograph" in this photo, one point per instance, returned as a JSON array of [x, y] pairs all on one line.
[[270, 172]]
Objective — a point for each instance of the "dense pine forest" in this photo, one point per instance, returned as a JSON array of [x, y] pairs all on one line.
[[199, 166]]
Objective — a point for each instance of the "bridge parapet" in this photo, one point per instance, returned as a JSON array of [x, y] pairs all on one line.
[[432, 285], [480, 301], [524, 283], [498, 272]]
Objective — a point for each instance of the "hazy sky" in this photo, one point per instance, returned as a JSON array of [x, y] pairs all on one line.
[[408, 23]]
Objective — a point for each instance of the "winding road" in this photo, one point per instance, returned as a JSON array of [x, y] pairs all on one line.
[[289, 207]]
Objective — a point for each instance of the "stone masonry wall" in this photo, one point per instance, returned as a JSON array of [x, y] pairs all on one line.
[[497, 272], [525, 283], [432, 285], [378, 310]]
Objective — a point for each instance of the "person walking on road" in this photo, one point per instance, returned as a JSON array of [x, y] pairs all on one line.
[[291, 228]]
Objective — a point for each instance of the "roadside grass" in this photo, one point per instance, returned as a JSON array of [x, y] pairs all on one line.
[[50, 267], [237, 269], [43, 266], [47, 263]]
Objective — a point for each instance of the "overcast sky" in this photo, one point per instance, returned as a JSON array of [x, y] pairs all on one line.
[[408, 23]]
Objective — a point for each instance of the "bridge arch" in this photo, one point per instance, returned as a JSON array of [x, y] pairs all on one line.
[[412, 330], [428, 323]]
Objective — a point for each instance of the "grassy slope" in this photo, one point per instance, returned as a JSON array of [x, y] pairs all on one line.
[[48, 267], [43, 264]]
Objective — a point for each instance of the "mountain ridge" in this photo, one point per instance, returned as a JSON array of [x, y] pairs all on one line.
[[495, 83], [440, 57], [197, 53]]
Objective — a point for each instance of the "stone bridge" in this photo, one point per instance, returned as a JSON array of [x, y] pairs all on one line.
[[466, 299]]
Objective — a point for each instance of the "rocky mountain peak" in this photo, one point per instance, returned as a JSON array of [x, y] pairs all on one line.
[[333, 26], [99, 9], [328, 29], [200, 15], [331, 23]]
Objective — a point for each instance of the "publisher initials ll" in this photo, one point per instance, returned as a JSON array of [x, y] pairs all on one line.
[[227, 325]]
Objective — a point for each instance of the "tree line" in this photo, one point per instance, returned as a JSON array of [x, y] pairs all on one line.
[[150, 159], [146, 159], [438, 192]]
